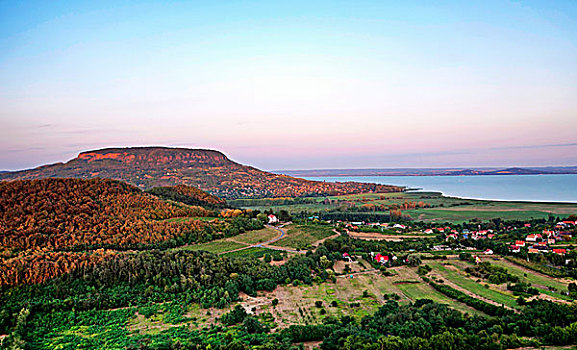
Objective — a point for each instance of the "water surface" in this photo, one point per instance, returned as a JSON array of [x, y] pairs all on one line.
[[538, 188]]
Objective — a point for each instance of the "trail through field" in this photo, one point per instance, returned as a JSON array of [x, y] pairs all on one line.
[[268, 243], [319, 242], [469, 293]]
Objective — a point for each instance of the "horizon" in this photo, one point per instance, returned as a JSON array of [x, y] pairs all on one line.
[[300, 86], [300, 169]]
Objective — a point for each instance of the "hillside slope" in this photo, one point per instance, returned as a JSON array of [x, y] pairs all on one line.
[[211, 171], [63, 213]]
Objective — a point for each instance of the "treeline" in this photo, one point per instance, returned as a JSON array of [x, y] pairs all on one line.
[[189, 195], [39, 266], [345, 244], [266, 202], [353, 216], [137, 278]]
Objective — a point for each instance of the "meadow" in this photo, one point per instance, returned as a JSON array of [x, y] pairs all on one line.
[[438, 208]]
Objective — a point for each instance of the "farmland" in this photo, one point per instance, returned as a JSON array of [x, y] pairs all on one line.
[[435, 207]]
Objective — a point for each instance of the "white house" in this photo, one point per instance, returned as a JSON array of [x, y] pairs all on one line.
[[272, 219]]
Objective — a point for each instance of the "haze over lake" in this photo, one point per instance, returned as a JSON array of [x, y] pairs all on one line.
[[541, 188]]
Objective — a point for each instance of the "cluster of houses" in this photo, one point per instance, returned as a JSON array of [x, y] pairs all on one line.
[[540, 242], [452, 234], [355, 225]]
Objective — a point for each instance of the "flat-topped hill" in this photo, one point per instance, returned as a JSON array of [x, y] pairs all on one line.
[[209, 170]]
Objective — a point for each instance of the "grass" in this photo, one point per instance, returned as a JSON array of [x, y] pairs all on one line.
[[442, 208], [218, 246], [472, 286], [258, 236], [302, 236], [539, 281]]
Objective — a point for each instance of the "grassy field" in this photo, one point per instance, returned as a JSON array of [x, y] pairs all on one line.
[[539, 281], [258, 236], [349, 298], [442, 208], [356, 297], [457, 277], [302, 236]]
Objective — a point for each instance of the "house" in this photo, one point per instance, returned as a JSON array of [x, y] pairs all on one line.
[[490, 235], [520, 243], [560, 251], [347, 257], [399, 226], [532, 238], [272, 219], [428, 231], [533, 251], [514, 249], [451, 236], [383, 259], [488, 252], [527, 225]]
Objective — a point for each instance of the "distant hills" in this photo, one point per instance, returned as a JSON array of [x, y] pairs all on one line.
[[431, 171], [208, 170]]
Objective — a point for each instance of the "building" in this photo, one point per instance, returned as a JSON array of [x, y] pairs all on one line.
[[272, 219]]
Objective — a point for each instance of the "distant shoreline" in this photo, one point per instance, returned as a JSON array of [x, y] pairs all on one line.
[[419, 175], [513, 189], [568, 170]]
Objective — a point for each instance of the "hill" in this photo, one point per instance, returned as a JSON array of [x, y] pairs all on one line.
[[52, 226], [63, 213], [211, 171]]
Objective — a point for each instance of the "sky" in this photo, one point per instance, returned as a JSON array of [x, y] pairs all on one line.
[[294, 84]]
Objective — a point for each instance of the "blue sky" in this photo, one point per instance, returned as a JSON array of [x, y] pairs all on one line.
[[327, 84]]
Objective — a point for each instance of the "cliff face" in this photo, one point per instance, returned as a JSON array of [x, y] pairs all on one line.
[[154, 156], [211, 171]]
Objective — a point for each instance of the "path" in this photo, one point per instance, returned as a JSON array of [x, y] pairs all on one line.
[[317, 243], [268, 243], [450, 283]]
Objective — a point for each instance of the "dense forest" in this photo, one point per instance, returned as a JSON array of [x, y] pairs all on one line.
[[52, 226]]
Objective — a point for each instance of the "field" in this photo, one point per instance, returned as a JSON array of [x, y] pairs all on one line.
[[259, 236], [453, 274], [344, 298], [439, 208], [455, 277], [303, 236]]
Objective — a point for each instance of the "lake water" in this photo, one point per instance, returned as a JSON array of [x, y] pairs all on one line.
[[541, 188]]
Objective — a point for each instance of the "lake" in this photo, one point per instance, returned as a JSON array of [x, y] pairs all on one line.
[[538, 188]]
